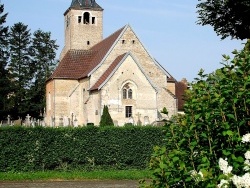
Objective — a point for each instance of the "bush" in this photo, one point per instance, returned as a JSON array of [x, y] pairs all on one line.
[[216, 117], [88, 148], [106, 119]]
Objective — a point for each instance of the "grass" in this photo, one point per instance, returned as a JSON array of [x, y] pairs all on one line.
[[76, 175]]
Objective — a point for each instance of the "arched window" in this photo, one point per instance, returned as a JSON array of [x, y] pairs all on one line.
[[130, 94], [127, 92], [124, 93], [86, 18]]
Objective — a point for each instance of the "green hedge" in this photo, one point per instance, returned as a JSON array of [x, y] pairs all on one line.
[[35, 149]]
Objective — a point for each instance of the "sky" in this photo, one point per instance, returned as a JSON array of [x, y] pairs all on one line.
[[167, 29]]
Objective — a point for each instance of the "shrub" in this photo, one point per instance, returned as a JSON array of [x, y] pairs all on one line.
[[88, 148], [216, 117], [106, 119]]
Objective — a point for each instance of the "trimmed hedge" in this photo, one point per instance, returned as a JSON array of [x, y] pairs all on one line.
[[35, 149]]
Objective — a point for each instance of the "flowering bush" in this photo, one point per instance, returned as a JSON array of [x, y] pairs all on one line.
[[216, 116], [238, 181]]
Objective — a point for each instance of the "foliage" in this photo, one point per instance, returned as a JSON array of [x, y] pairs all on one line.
[[106, 119], [86, 148], [238, 181], [216, 116], [20, 67], [4, 55], [228, 18], [44, 53]]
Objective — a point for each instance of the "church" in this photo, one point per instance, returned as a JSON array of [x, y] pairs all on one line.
[[116, 71]]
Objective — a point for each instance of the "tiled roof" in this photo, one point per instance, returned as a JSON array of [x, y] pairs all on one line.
[[83, 4], [74, 64], [77, 64], [107, 73], [181, 87]]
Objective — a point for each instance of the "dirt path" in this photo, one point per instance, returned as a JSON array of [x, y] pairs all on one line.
[[71, 184]]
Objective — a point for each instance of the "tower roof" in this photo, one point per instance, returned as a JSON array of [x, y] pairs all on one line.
[[85, 4]]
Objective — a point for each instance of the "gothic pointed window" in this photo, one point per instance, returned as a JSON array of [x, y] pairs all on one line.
[[127, 92], [86, 18], [130, 94], [124, 93]]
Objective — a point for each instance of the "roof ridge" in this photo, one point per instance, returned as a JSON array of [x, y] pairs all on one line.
[[108, 37], [108, 71]]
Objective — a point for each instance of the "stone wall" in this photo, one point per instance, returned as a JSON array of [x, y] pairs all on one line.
[[143, 101], [82, 36]]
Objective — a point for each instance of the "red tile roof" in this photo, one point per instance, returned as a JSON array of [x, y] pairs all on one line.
[[107, 73], [181, 87], [77, 64]]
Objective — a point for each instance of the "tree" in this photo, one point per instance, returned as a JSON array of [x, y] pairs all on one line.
[[227, 17], [20, 68], [106, 119], [4, 74], [44, 54]]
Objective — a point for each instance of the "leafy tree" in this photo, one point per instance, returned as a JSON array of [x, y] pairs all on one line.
[[228, 18], [216, 117], [44, 54], [106, 119], [4, 55], [20, 67]]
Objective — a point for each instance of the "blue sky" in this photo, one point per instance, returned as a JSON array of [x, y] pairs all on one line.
[[166, 28]]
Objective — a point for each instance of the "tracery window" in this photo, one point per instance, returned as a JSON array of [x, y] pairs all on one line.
[[127, 92]]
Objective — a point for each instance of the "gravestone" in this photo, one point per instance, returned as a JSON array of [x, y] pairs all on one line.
[[27, 120], [146, 120], [131, 120], [8, 119], [61, 121], [75, 122], [65, 121]]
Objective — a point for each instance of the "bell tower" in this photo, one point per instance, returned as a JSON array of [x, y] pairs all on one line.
[[83, 25]]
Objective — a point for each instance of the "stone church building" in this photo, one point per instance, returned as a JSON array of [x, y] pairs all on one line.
[[116, 71]]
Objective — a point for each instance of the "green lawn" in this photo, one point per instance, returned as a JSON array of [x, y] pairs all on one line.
[[76, 175]]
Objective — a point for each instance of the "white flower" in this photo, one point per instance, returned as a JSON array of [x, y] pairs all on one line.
[[247, 165], [223, 184], [200, 173], [246, 138], [247, 155], [196, 176], [223, 164], [243, 181], [193, 173]]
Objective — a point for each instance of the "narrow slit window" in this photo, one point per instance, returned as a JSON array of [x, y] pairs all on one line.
[[88, 43], [93, 20], [123, 41], [79, 19]]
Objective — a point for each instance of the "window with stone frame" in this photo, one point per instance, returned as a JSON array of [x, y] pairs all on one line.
[[124, 94], [128, 111], [127, 92]]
